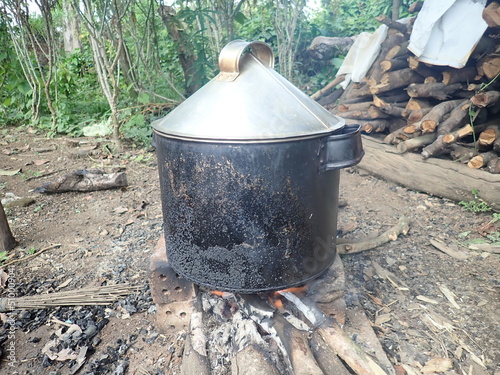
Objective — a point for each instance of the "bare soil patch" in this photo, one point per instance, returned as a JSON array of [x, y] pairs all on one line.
[[423, 304]]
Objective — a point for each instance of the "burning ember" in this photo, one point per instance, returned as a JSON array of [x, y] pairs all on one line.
[[292, 331]]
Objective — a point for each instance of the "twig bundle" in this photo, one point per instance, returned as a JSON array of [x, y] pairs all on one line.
[[102, 295]]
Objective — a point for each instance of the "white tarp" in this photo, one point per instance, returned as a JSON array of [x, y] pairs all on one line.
[[446, 31], [361, 55]]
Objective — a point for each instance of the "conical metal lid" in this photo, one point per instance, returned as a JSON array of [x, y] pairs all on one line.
[[247, 101]]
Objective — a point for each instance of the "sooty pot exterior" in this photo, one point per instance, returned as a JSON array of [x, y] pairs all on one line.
[[249, 177], [252, 217]]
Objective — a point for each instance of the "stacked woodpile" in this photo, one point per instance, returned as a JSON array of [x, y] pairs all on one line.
[[433, 110]]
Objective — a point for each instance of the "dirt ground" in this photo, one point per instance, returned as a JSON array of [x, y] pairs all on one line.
[[427, 307]]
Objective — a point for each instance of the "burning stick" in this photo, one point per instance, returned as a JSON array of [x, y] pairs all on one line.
[[335, 337]]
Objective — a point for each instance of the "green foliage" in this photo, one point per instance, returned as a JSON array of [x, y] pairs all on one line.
[[15, 92], [137, 129], [348, 18], [476, 205], [154, 74], [3, 256]]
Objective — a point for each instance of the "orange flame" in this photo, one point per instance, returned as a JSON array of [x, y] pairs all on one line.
[[217, 293], [275, 297]]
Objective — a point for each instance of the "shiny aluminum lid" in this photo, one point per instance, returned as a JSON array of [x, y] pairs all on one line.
[[247, 101]]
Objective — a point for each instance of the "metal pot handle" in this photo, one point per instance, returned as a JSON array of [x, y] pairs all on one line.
[[229, 58], [341, 150]]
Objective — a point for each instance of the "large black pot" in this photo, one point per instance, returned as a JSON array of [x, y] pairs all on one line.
[[251, 212]]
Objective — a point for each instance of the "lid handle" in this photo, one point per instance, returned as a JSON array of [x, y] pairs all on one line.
[[229, 58]]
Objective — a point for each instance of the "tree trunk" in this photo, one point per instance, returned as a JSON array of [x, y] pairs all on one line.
[[7, 240], [395, 9], [184, 51], [71, 28]]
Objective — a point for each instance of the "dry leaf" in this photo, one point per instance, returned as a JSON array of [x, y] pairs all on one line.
[[437, 365]]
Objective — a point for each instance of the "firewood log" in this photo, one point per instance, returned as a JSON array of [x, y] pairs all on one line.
[[463, 132], [485, 98], [397, 51], [401, 134], [423, 69], [390, 109], [494, 166], [416, 115], [462, 154], [474, 87], [436, 148], [463, 94], [396, 79], [415, 143], [297, 346], [432, 90], [362, 89], [318, 94], [326, 357], [491, 14], [436, 115], [488, 137], [363, 106], [332, 98], [375, 72], [393, 64], [391, 41], [489, 66], [496, 146], [416, 104], [457, 116], [392, 24], [370, 114], [467, 74], [482, 160], [394, 96], [378, 126], [444, 141]]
